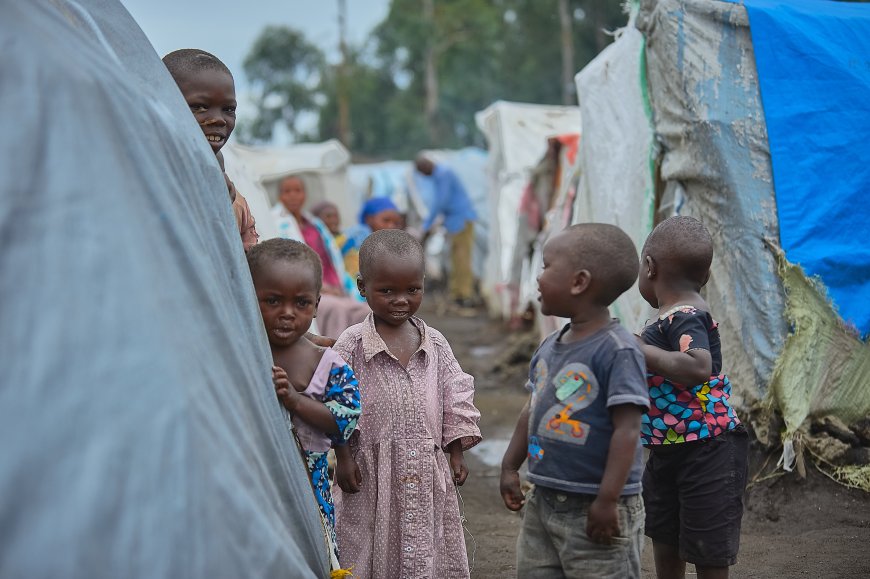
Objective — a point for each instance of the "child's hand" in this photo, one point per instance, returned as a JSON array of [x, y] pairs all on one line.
[[322, 341], [347, 473], [603, 521], [509, 486], [348, 476], [458, 468], [283, 389]]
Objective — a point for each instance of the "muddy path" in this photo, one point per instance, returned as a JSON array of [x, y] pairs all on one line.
[[791, 528]]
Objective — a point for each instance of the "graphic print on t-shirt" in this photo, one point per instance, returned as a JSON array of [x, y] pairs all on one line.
[[575, 388]]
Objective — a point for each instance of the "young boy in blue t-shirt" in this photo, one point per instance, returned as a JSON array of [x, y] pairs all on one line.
[[581, 426]]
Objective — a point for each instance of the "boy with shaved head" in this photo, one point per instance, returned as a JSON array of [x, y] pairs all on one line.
[[208, 87], [581, 426]]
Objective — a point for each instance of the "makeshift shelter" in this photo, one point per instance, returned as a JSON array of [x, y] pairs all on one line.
[[676, 124], [141, 435], [321, 166], [517, 136]]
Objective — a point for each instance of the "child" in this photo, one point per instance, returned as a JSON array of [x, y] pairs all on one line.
[[581, 425], [696, 473], [313, 383], [210, 92], [397, 511], [377, 213]]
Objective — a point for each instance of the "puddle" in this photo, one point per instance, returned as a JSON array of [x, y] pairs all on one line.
[[491, 451], [482, 351]]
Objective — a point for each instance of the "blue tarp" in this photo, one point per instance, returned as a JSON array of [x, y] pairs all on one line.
[[813, 60]]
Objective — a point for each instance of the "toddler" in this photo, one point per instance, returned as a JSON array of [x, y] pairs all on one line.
[[208, 87], [313, 383], [696, 472], [581, 425], [397, 511]]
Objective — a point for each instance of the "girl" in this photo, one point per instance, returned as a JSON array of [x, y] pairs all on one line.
[[397, 512], [313, 383], [341, 306], [695, 476]]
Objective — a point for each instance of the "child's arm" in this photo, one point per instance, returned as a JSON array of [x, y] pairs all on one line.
[[689, 368], [514, 456], [311, 411], [457, 462], [603, 521], [347, 473]]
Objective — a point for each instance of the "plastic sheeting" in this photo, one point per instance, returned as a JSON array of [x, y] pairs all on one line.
[[617, 154], [813, 61], [715, 165], [141, 435], [517, 136]]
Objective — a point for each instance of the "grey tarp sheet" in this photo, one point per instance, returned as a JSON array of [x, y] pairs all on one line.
[[715, 166], [140, 434]]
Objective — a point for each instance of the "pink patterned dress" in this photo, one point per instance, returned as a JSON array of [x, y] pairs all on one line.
[[405, 521]]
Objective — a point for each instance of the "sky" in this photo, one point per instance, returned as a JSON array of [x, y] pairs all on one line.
[[228, 28]]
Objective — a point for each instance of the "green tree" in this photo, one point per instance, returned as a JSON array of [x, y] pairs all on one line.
[[284, 71]]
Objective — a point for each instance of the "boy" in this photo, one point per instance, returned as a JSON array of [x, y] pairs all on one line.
[[696, 473], [581, 425], [207, 86]]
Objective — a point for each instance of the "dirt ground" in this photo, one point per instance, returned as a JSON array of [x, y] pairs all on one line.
[[791, 528]]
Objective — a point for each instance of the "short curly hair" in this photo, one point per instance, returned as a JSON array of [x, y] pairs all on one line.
[[187, 61], [681, 246], [607, 253], [268, 252], [386, 244]]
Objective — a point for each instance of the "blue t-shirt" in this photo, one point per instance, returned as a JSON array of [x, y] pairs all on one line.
[[451, 200], [573, 386]]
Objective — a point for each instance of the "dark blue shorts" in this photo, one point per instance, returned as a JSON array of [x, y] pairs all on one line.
[[693, 494]]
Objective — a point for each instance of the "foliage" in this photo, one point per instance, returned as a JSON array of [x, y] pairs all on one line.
[[482, 50], [284, 70]]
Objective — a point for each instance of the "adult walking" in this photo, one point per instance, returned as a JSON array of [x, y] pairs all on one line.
[[452, 202]]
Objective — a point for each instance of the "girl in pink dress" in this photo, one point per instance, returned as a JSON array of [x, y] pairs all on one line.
[[397, 511]]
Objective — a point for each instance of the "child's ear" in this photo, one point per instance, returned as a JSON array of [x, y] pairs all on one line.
[[580, 282], [650, 267], [706, 278], [360, 285]]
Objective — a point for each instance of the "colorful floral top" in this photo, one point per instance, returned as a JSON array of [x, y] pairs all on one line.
[[680, 413], [334, 384]]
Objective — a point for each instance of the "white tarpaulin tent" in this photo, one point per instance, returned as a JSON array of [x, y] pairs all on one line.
[[517, 135], [141, 435], [321, 166]]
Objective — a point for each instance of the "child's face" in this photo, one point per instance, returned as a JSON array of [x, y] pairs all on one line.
[[291, 193], [394, 290], [211, 96], [387, 219], [555, 280], [331, 218], [288, 297]]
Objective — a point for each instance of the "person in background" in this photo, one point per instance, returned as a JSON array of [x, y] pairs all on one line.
[[580, 428], [341, 305], [377, 213], [209, 90], [451, 202]]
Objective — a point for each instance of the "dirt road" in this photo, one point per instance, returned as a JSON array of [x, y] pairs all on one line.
[[792, 528]]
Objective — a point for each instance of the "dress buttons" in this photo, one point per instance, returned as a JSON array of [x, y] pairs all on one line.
[[412, 454]]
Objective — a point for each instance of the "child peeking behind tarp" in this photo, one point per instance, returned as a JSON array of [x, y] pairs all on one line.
[[208, 87]]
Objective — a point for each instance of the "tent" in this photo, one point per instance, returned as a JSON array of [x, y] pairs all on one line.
[[141, 435], [517, 136], [679, 121], [321, 166]]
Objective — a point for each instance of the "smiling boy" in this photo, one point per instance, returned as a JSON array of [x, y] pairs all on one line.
[[209, 90]]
